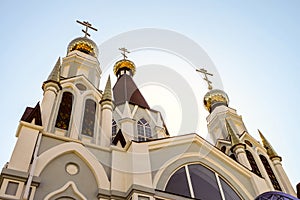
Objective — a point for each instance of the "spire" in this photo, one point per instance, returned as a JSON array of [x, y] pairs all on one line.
[[107, 90], [235, 140], [270, 151], [107, 96], [55, 74]]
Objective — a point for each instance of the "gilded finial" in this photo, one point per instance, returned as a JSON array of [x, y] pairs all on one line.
[[87, 26], [205, 73], [234, 138], [123, 52], [270, 151]]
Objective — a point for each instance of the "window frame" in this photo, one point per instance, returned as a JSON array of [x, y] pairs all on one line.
[[94, 117], [144, 131], [71, 112], [191, 186]]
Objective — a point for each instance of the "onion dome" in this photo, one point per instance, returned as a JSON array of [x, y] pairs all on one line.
[[215, 98], [123, 66], [84, 45]]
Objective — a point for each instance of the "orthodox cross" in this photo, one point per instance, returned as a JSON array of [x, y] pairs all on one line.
[[205, 73], [124, 51], [87, 26]]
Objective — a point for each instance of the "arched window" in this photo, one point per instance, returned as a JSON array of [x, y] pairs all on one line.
[[113, 130], [199, 182], [88, 123], [144, 130], [223, 149], [253, 164], [64, 112], [270, 172]]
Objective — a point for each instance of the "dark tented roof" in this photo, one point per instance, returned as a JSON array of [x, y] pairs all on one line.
[[126, 90]]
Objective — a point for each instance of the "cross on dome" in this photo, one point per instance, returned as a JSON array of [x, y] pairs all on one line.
[[123, 52], [87, 26], [205, 73]]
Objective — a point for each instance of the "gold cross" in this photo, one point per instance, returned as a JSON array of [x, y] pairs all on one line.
[[204, 71], [87, 26], [124, 51]]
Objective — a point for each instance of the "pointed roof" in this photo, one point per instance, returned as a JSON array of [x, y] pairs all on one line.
[[270, 151], [234, 138], [55, 74], [126, 90], [107, 96], [33, 113]]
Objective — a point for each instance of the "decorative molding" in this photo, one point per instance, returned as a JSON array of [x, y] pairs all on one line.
[[64, 188], [97, 169]]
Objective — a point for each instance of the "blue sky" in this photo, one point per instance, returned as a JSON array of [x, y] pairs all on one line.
[[254, 45]]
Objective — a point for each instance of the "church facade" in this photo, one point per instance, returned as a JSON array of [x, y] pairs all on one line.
[[87, 144]]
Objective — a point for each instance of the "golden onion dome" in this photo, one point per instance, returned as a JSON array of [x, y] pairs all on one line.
[[124, 64], [214, 98], [84, 45]]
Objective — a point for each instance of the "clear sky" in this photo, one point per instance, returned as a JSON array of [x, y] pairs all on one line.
[[254, 45]]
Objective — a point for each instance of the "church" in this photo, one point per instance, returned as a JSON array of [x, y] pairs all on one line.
[[83, 143]]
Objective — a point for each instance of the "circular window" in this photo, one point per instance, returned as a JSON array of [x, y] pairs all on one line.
[[81, 87], [72, 168]]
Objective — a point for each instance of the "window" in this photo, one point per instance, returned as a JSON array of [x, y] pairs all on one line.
[[270, 172], [89, 118], [144, 130], [64, 112], [203, 180], [178, 183], [199, 182], [223, 149], [12, 188], [253, 164], [229, 193], [113, 130]]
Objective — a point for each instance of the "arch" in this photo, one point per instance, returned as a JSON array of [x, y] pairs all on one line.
[[72, 147], [270, 172], [223, 149], [65, 111], [197, 181], [89, 116], [69, 184], [91, 94], [70, 87], [166, 170]]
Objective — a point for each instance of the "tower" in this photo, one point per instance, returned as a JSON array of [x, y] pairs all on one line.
[[230, 135], [85, 143]]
